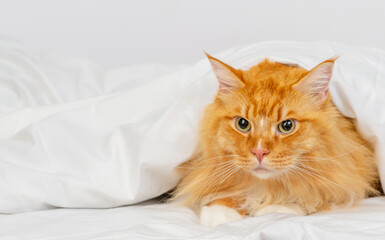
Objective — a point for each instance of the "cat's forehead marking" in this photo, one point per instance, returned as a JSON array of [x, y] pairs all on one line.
[[261, 122], [273, 129]]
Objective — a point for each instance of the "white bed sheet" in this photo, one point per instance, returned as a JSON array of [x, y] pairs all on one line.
[[164, 221], [100, 178], [73, 135]]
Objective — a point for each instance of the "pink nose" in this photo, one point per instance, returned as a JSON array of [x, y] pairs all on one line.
[[260, 153]]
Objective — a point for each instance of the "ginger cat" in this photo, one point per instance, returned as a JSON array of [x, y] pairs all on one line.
[[273, 141]]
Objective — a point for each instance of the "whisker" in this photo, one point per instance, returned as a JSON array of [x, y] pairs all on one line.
[[316, 176], [211, 165], [211, 182]]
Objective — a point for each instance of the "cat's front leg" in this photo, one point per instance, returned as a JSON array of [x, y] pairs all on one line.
[[219, 212], [276, 208]]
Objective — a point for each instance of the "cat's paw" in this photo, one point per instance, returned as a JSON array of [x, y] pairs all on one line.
[[214, 215], [274, 208]]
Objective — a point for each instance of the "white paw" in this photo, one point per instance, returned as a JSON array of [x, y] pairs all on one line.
[[214, 215], [296, 210]]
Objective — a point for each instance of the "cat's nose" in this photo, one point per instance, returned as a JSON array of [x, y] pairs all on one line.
[[260, 153]]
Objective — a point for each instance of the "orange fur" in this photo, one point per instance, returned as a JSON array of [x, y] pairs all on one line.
[[235, 203], [323, 163]]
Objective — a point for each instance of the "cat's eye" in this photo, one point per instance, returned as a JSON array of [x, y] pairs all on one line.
[[286, 126], [242, 124]]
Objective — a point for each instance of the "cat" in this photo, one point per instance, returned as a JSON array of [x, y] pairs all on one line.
[[272, 141]]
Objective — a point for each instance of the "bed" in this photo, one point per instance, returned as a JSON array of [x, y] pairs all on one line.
[[83, 150], [163, 221]]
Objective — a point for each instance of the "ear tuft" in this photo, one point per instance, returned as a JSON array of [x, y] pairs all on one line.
[[316, 82], [228, 77]]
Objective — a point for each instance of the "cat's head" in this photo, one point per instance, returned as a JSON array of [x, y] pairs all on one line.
[[268, 117]]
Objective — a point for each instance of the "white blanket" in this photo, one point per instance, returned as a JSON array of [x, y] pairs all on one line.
[[167, 222], [74, 135]]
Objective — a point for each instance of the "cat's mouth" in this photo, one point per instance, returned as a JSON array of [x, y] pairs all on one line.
[[262, 172], [261, 168]]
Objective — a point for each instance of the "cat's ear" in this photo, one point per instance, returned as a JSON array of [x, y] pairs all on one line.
[[316, 82], [228, 77]]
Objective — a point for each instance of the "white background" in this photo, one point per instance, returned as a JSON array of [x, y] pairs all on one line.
[[121, 32]]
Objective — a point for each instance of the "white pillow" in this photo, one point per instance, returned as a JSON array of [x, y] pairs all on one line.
[[74, 135]]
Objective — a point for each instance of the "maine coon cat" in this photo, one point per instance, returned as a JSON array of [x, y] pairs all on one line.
[[273, 141]]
